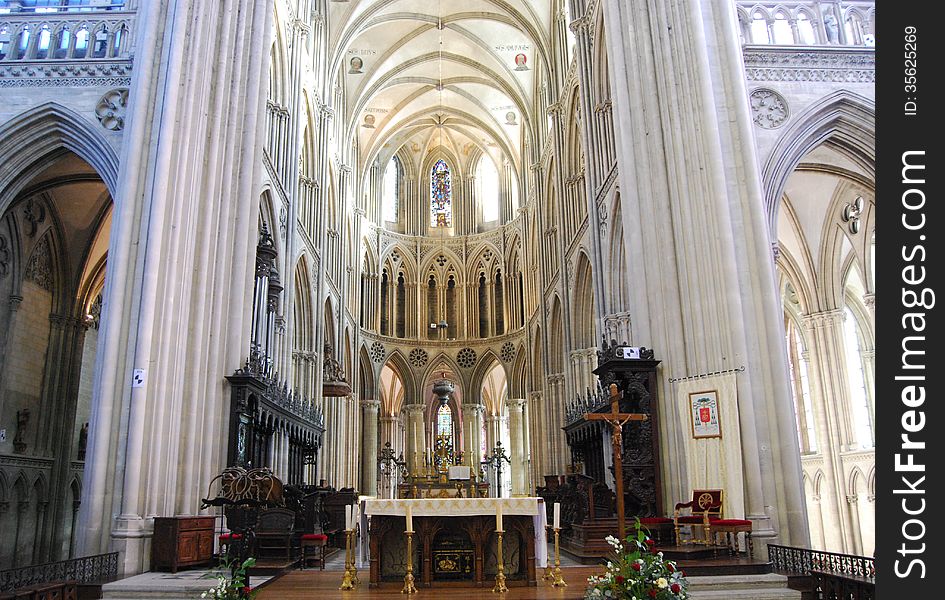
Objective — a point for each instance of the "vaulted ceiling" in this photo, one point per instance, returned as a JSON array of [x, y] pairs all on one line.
[[440, 75]]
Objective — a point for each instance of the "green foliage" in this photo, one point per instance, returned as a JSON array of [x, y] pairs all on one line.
[[636, 572], [231, 581]]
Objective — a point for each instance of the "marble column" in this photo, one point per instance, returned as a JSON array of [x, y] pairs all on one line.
[[472, 435], [517, 444], [369, 447]]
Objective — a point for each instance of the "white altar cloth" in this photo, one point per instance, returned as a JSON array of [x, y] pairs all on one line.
[[458, 507]]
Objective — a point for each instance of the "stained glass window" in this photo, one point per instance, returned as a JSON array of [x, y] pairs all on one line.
[[444, 421], [441, 196]]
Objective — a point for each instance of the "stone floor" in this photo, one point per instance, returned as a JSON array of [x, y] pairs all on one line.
[[188, 583]]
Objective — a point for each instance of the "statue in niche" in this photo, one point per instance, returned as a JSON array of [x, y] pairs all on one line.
[[22, 420], [833, 30], [83, 441], [331, 368]]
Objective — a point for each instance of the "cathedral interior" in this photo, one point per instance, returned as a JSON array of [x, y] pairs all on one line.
[[299, 234]]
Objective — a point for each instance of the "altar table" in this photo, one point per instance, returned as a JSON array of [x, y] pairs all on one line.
[[455, 539]]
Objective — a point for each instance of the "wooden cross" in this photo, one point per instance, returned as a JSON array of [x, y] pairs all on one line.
[[617, 420]]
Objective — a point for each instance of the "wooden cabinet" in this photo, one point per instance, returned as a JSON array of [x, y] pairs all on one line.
[[181, 542]]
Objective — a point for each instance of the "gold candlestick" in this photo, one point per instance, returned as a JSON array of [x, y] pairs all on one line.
[[347, 582], [409, 587], [558, 580], [354, 557], [500, 574], [549, 571]]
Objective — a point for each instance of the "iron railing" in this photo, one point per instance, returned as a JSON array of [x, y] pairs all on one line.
[[98, 568], [790, 560]]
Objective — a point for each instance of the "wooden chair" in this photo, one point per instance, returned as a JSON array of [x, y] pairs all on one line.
[[705, 506], [313, 550], [275, 531], [731, 528]]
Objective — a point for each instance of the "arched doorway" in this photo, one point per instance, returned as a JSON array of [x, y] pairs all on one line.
[[54, 236]]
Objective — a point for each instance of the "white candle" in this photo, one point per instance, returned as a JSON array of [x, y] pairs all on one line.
[[498, 517], [557, 521], [409, 518], [348, 517], [355, 515]]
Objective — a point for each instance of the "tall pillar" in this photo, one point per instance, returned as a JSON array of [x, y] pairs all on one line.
[[369, 447], [472, 434], [517, 444], [415, 435]]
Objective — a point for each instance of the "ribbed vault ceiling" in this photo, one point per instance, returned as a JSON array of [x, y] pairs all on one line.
[[426, 74]]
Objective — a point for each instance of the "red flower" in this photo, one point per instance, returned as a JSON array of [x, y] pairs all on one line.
[[675, 588], [635, 566], [247, 590], [682, 573], [652, 593], [619, 578], [670, 567]]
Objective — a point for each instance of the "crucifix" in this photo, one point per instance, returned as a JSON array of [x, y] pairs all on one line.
[[617, 420]]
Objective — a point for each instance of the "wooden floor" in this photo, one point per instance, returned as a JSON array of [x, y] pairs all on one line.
[[323, 585]]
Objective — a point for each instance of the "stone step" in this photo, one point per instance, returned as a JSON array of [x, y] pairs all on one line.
[[742, 587], [154, 585]]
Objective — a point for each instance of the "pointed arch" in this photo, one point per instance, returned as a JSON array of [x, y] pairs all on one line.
[[366, 376], [485, 363], [584, 333], [399, 364], [519, 368], [47, 130], [556, 339], [843, 119]]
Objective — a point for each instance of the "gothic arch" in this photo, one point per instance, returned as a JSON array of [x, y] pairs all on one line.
[[400, 365], [367, 378], [556, 358], [484, 365], [537, 361], [843, 119], [583, 332], [517, 383], [33, 140]]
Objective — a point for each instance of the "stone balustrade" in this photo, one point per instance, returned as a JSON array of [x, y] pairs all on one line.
[[807, 22], [96, 32]]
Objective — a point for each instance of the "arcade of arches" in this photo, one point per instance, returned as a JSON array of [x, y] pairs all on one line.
[[381, 195]]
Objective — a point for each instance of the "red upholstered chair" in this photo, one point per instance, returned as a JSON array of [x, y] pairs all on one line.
[[313, 549], [226, 539], [731, 528], [658, 528], [705, 506]]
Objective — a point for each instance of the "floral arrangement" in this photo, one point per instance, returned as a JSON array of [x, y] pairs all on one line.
[[233, 587], [636, 572]]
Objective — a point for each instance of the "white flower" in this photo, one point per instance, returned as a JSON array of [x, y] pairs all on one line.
[[661, 583]]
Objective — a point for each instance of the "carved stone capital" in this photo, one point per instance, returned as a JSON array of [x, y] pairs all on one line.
[[516, 404], [824, 319]]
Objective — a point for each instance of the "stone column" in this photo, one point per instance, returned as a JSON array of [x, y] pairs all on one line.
[[517, 445], [472, 435], [830, 399], [369, 447], [415, 437]]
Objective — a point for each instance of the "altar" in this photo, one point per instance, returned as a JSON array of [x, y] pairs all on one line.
[[455, 539]]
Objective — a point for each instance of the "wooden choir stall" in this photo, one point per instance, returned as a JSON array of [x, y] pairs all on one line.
[[586, 494]]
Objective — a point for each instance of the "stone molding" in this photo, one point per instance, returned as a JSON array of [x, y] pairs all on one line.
[[7, 460], [824, 318], [822, 64]]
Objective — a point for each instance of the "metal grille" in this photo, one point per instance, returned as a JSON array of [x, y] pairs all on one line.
[[99, 568]]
